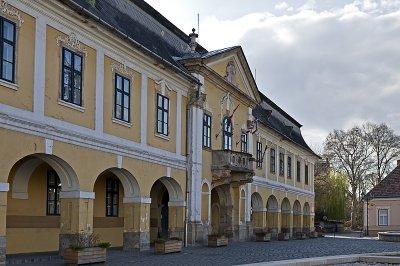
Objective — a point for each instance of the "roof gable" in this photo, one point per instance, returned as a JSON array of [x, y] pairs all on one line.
[[231, 64], [389, 186]]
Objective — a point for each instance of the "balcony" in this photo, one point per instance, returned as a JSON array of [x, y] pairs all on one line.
[[231, 167]]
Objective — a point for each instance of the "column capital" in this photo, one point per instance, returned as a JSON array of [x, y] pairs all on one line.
[[77, 195], [137, 200], [4, 187]]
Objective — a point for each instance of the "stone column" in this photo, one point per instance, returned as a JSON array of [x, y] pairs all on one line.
[[4, 187], [196, 231], [136, 224], [176, 218], [76, 218]]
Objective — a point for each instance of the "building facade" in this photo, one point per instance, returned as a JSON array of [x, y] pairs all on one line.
[[382, 205], [116, 123]]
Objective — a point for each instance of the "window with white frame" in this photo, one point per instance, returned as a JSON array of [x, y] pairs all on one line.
[[53, 193], [289, 167], [71, 90], [122, 98], [243, 143], [206, 131], [272, 161], [162, 114], [383, 217], [259, 158], [227, 133], [281, 164], [7, 54]]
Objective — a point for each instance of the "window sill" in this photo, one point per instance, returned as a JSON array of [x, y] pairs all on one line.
[[121, 122], [161, 136], [9, 85], [71, 105], [207, 149]]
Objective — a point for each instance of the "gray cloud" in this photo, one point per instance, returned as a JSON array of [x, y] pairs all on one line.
[[337, 70]]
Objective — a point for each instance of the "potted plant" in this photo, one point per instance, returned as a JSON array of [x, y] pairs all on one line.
[[86, 250], [164, 246], [301, 235], [215, 240], [263, 236], [284, 234]]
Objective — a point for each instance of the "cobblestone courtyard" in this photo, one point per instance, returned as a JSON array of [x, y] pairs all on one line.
[[250, 252]]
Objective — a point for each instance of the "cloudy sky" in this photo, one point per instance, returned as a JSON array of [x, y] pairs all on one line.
[[330, 64]]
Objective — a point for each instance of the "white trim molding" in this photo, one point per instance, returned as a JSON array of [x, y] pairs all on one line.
[[143, 200], [4, 187], [77, 195], [263, 182], [122, 68], [71, 41], [177, 204], [4, 8]]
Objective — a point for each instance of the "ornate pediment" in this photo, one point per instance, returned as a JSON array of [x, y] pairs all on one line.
[[72, 42]]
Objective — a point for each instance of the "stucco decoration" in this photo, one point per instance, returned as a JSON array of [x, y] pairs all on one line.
[[72, 42], [4, 8], [122, 69], [230, 74]]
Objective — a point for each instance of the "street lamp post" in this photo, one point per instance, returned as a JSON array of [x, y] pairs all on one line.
[[366, 198]]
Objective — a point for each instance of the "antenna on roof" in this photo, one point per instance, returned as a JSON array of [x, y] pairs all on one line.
[[198, 26]]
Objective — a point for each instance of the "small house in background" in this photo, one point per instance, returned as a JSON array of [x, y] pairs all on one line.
[[382, 205]]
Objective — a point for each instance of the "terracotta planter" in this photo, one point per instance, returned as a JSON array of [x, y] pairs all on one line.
[[284, 236], [169, 246], [217, 241], [263, 237], [85, 256]]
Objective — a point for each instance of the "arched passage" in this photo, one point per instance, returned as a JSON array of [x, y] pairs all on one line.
[[296, 217], [272, 215], [221, 211], [285, 215], [112, 188], [167, 212], [306, 217], [37, 184], [257, 212]]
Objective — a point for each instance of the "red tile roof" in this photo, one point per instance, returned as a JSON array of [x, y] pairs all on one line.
[[389, 187]]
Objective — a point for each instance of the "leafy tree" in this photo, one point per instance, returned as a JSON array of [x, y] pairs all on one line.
[[349, 153]]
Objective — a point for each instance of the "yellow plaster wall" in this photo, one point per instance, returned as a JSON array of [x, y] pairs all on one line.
[[15, 146], [53, 84], [29, 240], [88, 164], [110, 127], [24, 58]]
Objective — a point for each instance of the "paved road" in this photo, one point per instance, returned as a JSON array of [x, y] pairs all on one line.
[[249, 252]]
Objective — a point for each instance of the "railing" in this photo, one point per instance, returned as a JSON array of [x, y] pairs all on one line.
[[232, 160]]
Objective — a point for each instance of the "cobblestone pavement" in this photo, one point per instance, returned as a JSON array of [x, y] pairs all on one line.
[[249, 252]]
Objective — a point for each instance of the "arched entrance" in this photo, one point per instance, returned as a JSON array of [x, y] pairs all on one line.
[[272, 215], [111, 188], [296, 217], [306, 218], [38, 182], [285, 216], [221, 211], [167, 212], [257, 216]]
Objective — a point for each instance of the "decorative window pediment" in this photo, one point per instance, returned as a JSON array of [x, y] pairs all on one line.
[[122, 68], [10, 11], [72, 42]]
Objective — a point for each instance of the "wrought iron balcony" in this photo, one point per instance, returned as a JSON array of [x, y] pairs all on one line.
[[231, 167]]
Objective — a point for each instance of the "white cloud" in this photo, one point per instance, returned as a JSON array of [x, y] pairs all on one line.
[[281, 6]]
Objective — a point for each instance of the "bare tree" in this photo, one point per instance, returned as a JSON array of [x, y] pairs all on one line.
[[385, 145], [349, 153]]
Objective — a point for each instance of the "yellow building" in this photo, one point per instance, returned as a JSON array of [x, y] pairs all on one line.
[[116, 123]]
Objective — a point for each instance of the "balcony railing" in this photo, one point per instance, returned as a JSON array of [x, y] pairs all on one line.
[[231, 166]]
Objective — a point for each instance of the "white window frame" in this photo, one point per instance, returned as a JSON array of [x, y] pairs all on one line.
[[378, 215]]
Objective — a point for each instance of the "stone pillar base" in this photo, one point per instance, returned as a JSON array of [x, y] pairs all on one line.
[[136, 241], [197, 233], [82, 239], [2, 250]]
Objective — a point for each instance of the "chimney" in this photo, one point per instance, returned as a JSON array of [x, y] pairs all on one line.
[[398, 162], [193, 44]]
